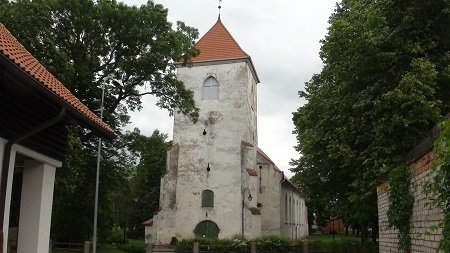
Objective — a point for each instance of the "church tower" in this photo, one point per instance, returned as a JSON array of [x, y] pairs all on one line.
[[210, 188]]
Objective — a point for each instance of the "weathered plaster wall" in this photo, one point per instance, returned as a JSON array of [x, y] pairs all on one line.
[[269, 196], [275, 218], [294, 222], [227, 121], [424, 215]]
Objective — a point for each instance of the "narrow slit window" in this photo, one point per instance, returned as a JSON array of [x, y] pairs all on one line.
[[210, 89]]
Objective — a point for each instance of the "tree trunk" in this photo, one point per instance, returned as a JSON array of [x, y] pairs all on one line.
[[363, 232]]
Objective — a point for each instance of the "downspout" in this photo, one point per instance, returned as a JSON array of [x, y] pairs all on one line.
[[6, 163]]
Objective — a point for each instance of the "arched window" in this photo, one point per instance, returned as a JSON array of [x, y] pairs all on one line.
[[210, 89], [207, 198]]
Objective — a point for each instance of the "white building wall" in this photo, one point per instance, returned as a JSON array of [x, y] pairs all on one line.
[[228, 121], [36, 207], [269, 197]]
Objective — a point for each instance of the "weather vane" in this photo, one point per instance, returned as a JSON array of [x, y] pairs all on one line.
[[220, 7]]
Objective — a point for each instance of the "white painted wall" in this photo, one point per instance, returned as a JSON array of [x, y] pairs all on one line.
[[228, 121], [28, 196], [290, 222], [36, 207]]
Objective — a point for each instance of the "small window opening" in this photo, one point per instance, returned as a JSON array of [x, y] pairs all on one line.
[[207, 198], [210, 89]]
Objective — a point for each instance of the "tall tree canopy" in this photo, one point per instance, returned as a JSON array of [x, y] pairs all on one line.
[[88, 44], [130, 51], [384, 84]]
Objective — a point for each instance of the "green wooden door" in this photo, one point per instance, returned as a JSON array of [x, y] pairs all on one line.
[[207, 229]]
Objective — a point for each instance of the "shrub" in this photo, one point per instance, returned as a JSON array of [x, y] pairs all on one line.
[[130, 248], [273, 243], [116, 236]]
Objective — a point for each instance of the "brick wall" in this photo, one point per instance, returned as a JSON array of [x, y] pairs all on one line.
[[424, 215]]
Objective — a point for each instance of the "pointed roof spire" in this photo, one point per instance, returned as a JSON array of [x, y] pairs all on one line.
[[220, 7], [218, 44]]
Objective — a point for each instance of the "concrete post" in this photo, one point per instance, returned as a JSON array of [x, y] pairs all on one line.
[[305, 247], [36, 207], [149, 247], [253, 247], [86, 246], [196, 248]]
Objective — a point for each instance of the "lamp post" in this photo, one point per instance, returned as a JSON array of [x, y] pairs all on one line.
[[97, 177], [249, 197]]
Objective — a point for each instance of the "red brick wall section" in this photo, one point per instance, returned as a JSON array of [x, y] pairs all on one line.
[[424, 216]]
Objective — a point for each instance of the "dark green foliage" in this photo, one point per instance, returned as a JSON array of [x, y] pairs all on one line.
[[217, 245], [131, 248], [116, 237], [87, 44], [273, 243], [439, 188], [131, 51], [401, 202], [384, 84]]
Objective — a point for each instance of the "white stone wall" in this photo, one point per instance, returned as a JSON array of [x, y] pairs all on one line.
[[424, 216], [228, 121], [275, 219], [294, 223], [270, 198]]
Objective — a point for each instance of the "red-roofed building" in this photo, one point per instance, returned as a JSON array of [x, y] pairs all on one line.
[[284, 209], [35, 110], [218, 183]]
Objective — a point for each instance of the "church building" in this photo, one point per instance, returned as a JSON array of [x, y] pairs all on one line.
[[218, 183]]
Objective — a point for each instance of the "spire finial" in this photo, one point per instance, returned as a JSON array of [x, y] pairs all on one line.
[[220, 7]]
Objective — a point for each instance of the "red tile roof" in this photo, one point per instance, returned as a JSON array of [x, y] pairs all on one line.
[[218, 44], [14, 51], [148, 222]]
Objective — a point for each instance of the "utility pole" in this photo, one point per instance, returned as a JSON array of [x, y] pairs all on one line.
[[97, 178]]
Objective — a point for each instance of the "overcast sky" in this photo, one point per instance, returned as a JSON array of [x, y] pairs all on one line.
[[283, 39]]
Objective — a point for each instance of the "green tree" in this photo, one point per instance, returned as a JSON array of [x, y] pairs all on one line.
[[145, 184], [89, 44], [384, 84]]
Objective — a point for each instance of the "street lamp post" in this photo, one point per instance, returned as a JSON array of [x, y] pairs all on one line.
[[97, 177], [243, 205]]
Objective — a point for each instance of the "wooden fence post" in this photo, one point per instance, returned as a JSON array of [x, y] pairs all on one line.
[[86, 246], [196, 248], [253, 247], [149, 247]]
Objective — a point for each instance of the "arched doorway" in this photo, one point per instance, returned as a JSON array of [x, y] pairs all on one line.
[[207, 228]]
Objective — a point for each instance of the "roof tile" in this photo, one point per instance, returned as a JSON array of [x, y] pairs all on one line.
[[16, 52], [218, 44]]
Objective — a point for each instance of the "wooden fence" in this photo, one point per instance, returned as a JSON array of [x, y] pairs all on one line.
[[75, 247]]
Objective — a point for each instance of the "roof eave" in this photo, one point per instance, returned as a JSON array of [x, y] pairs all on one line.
[[77, 115], [195, 63]]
